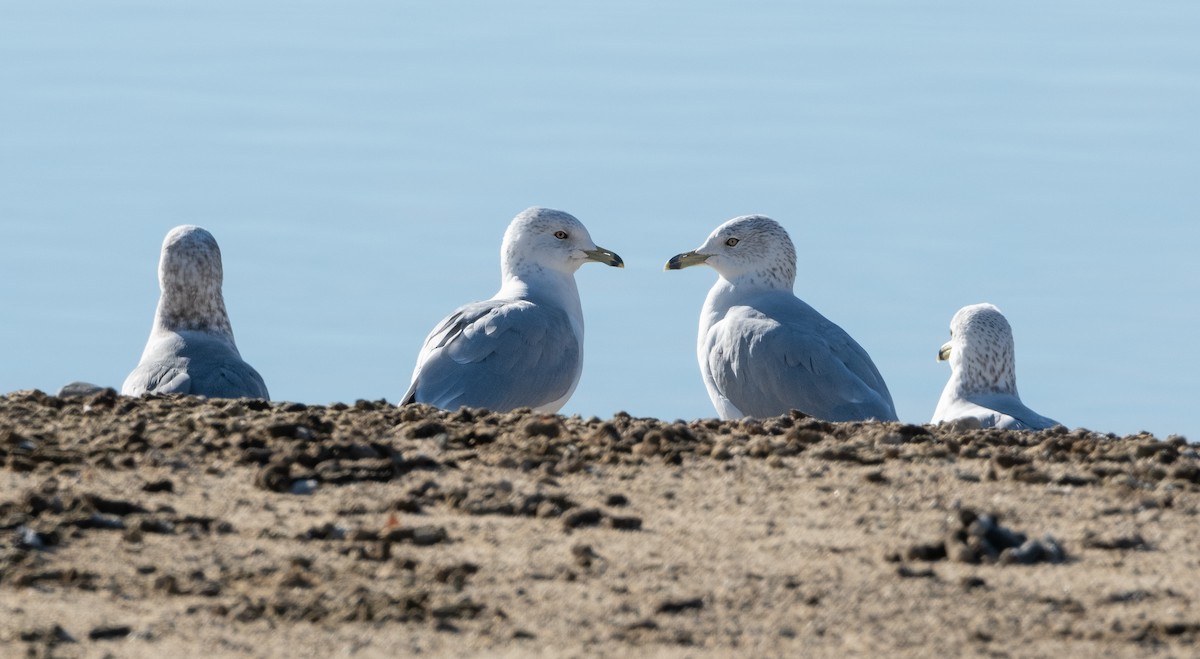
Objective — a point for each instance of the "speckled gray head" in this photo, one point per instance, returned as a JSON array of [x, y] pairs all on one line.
[[980, 350], [190, 278], [543, 238], [750, 249]]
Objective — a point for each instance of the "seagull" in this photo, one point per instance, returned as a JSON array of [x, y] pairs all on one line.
[[524, 346], [983, 373], [762, 350], [191, 348]]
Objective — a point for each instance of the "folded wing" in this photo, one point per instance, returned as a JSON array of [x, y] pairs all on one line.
[[499, 355], [768, 358]]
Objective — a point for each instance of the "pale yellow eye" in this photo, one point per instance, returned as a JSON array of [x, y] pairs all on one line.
[[561, 235], [732, 242]]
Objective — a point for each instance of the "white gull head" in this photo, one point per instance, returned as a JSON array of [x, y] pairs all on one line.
[[543, 239], [749, 250], [980, 351]]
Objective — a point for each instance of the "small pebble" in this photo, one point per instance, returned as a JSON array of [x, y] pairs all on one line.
[[304, 486]]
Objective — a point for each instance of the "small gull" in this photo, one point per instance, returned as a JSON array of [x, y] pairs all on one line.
[[524, 346], [983, 373], [762, 350], [191, 348]]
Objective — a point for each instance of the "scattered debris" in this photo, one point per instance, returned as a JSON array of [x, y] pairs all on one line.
[[980, 538]]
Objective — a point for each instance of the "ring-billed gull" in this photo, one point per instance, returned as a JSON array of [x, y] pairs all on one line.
[[524, 346], [191, 348], [762, 350], [983, 373]]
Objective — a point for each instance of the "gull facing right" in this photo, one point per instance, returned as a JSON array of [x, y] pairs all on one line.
[[524, 346]]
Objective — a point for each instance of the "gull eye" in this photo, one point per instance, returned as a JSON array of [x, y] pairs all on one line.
[[732, 242], [561, 235]]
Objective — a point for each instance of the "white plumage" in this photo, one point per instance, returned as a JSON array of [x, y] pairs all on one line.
[[762, 350], [983, 373], [524, 346], [191, 348]]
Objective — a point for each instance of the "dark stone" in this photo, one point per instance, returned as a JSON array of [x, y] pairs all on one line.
[[112, 506], [162, 485], [275, 477], [625, 522], [616, 500], [422, 536], [875, 477], [106, 633], [426, 430], [926, 552], [971, 583], [674, 606], [547, 427], [582, 517], [1135, 542]]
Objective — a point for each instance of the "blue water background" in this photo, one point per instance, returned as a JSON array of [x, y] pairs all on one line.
[[358, 162]]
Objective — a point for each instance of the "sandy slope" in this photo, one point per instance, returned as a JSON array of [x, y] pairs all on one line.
[[165, 527]]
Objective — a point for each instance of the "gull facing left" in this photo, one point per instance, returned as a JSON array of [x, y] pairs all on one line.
[[983, 373], [762, 350]]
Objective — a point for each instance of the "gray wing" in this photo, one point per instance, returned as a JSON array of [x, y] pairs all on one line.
[[1005, 411], [778, 354], [194, 363], [497, 354]]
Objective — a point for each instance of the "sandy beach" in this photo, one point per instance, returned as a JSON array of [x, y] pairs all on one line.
[[183, 527]]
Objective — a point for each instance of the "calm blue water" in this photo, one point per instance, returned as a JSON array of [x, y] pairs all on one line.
[[359, 161]]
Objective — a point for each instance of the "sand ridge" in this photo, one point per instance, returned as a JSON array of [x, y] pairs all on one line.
[[245, 528]]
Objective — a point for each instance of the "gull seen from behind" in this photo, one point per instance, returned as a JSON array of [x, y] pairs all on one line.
[[983, 373], [191, 348]]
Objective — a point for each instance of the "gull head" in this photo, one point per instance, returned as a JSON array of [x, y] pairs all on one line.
[[190, 258], [190, 276], [980, 350], [751, 249], [547, 239]]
